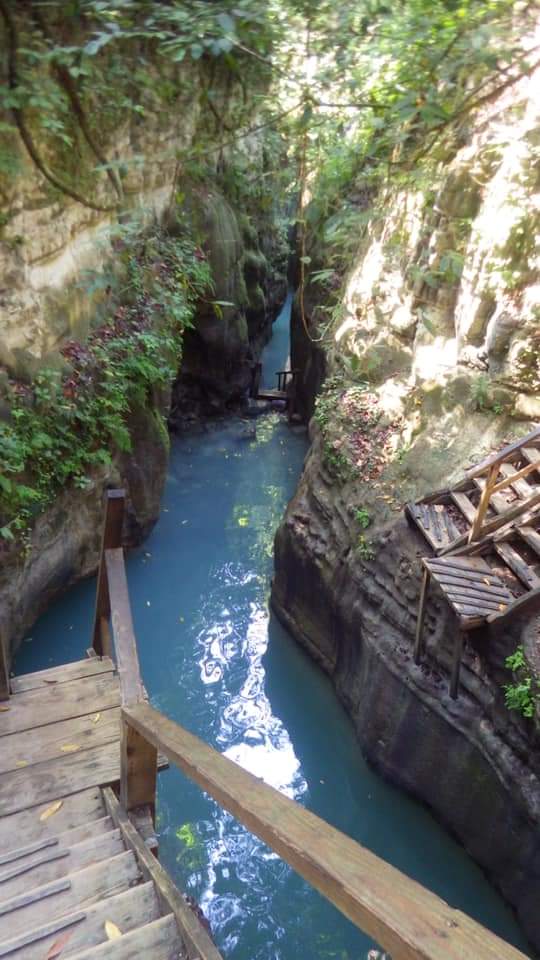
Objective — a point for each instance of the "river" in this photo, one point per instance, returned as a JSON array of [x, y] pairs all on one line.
[[215, 660]]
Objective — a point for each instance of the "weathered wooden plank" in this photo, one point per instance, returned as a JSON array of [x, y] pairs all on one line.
[[526, 605], [56, 739], [531, 537], [498, 501], [31, 898], [465, 505], [61, 863], [20, 947], [111, 538], [407, 920], [505, 454], [128, 910], [44, 782], [473, 567], [197, 942], [66, 839], [516, 563], [418, 640], [476, 587], [516, 478], [483, 506], [125, 645], [26, 826], [138, 766], [67, 671], [80, 890], [158, 940], [522, 509], [532, 454], [60, 701], [480, 603]]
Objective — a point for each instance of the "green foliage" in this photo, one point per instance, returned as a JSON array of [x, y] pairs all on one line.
[[363, 518], [65, 425], [480, 392], [523, 695], [363, 548]]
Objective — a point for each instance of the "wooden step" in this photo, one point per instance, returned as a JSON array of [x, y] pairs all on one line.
[[42, 783], [522, 487], [35, 708], [54, 862], [26, 827], [67, 839], [55, 740], [518, 565], [531, 454], [83, 929], [531, 537], [158, 940], [499, 501], [466, 506], [90, 667], [68, 894]]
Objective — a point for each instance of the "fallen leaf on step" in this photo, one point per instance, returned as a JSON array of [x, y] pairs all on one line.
[[112, 931], [56, 948], [70, 747], [21, 763], [486, 581], [96, 717], [3, 708], [49, 811], [50, 681]]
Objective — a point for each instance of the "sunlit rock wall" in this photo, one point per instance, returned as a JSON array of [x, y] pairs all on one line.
[[446, 281]]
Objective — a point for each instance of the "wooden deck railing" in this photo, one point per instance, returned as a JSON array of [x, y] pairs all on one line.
[[490, 469], [402, 916]]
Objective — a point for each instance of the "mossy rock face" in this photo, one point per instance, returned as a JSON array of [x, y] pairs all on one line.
[[255, 265]]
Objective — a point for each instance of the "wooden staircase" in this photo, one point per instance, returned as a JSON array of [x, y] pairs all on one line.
[[79, 877], [72, 885]]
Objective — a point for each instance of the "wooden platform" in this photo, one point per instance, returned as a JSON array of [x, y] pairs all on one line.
[[485, 533], [59, 733], [264, 394]]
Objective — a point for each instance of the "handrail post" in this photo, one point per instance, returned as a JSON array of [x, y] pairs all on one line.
[[111, 538], [138, 770], [4, 671]]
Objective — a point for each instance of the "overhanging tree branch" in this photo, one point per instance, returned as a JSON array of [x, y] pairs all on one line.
[[24, 132]]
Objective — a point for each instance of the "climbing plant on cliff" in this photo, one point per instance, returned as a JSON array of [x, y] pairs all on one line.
[[66, 423], [76, 74]]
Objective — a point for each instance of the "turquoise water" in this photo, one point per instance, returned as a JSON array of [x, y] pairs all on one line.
[[215, 660]]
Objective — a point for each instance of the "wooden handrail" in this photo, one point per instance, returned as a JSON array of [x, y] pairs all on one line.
[[402, 916], [495, 459], [111, 537], [125, 645]]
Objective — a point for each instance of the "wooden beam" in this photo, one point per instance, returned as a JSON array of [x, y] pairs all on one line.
[[199, 945], [515, 476], [407, 920], [111, 537], [491, 482], [138, 770], [523, 509], [125, 645]]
